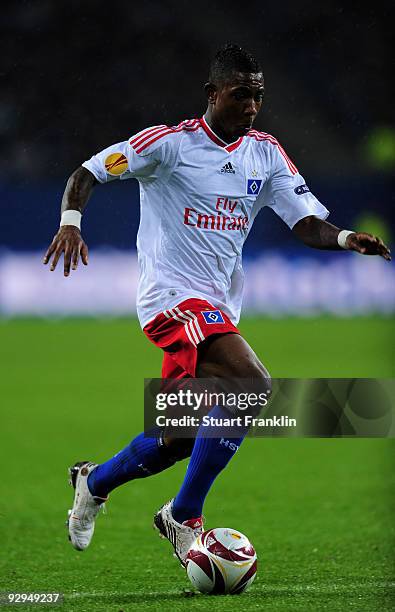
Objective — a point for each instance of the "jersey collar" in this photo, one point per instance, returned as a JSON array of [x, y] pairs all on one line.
[[218, 141]]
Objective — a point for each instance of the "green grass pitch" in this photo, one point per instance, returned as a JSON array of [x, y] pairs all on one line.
[[319, 511]]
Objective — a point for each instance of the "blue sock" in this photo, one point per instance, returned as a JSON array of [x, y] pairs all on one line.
[[141, 458], [208, 459]]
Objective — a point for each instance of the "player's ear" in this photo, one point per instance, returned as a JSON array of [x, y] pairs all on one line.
[[211, 92]]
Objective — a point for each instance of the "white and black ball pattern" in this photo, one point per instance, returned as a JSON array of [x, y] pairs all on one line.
[[221, 561]]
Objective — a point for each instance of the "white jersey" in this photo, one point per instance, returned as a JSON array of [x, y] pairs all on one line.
[[199, 197]]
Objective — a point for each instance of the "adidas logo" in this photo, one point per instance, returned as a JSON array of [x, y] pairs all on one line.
[[228, 169]]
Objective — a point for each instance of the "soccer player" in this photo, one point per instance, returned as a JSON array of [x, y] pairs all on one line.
[[202, 183]]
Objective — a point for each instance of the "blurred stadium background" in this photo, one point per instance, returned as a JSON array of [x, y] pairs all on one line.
[[78, 77]]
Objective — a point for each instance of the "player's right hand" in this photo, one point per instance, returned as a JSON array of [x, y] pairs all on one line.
[[69, 241]]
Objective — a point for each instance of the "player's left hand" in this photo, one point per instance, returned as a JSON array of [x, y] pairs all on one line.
[[367, 244]]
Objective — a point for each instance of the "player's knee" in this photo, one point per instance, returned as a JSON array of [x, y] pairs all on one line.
[[239, 371], [253, 369], [260, 383], [248, 378], [252, 376]]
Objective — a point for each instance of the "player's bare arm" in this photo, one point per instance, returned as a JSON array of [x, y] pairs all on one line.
[[320, 234], [68, 239]]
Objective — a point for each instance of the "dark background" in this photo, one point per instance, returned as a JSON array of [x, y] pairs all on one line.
[[77, 78]]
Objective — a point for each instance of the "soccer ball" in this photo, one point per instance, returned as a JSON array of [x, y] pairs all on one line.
[[221, 561]]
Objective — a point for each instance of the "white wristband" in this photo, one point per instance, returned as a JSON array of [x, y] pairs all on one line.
[[342, 237], [71, 217]]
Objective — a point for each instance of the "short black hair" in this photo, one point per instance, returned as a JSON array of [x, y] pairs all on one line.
[[229, 59]]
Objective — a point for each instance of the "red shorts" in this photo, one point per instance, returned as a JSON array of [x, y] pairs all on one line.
[[179, 331]]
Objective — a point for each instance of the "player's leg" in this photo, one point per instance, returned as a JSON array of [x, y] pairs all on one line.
[[144, 456], [92, 483], [226, 356], [147, 454]]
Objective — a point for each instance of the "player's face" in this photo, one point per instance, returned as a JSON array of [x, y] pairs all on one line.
[[237, 103]]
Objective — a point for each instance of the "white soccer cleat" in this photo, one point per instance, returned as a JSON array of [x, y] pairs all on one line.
[[81, 520], [181, 535]]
